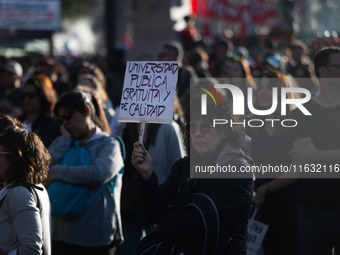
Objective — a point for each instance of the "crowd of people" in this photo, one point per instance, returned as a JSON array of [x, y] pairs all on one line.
[[70, 106]]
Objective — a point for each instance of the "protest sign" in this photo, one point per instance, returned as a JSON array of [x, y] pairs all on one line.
[[255, 235], [148, 92]]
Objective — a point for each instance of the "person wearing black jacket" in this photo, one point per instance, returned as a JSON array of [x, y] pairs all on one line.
[[199, 215]]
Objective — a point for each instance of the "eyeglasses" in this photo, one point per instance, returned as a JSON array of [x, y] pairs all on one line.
[[204, 127], [66, 116], [29, 95], [4, 152]]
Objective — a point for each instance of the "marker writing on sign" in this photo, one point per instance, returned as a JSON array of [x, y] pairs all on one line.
[[146, 110], [153, 68], [150, 81], [144, 94]]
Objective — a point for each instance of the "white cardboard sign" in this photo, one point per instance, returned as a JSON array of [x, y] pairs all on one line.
[[148, 92], [255, 236]]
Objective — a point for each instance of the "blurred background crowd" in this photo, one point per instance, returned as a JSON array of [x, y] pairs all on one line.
[[89, 47]]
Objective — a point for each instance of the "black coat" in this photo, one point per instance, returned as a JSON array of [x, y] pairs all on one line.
[[166, 206], [46, 127]]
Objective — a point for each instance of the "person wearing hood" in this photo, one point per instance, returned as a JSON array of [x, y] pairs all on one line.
[[199, 212]]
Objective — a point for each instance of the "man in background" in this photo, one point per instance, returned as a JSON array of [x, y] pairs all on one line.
[[317, 141]]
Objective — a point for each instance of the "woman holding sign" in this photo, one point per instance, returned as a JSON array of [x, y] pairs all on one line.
[[194, 215], [164, 145]]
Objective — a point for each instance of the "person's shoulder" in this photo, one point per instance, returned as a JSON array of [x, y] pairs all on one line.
[[18, 191], [179, 166], [62, 139], [171, 126], [117, 141], [107, 140], [181, 163], [241, 160], [111, 143], [26, 198], [19, 196], [169, 130]]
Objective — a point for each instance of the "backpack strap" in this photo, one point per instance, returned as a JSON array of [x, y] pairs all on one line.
[[31, 187], [120, 140], [95, 141], [123, 151], [114, 179], [122, 145]]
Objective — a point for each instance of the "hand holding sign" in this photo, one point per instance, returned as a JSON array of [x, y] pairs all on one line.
[[141, 160]]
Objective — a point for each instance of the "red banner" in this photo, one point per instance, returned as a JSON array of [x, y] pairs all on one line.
[[256, 12]]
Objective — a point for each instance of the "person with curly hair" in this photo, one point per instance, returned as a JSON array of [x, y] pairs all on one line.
[[25, 222], [7, 122]]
